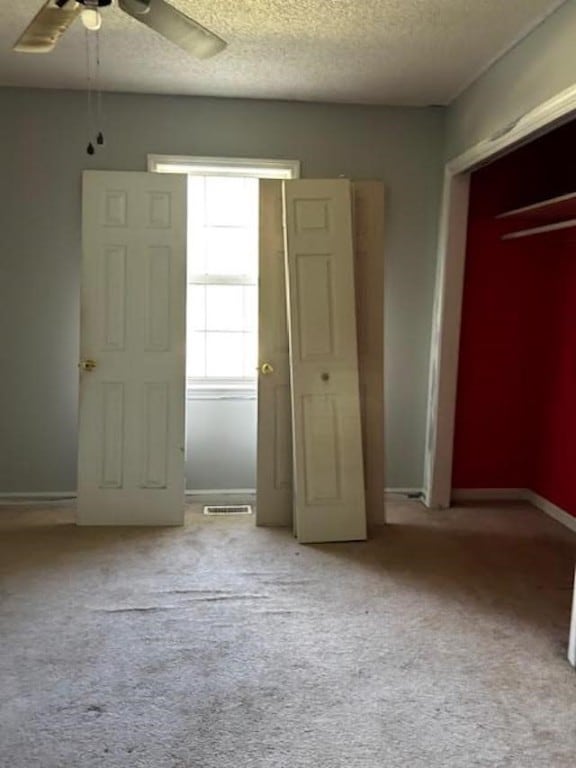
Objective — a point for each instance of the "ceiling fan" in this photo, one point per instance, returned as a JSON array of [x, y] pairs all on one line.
[[56, 16]]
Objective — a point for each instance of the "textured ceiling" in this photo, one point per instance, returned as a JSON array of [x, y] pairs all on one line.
[[409, 52]]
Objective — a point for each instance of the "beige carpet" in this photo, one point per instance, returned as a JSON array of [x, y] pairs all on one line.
[[439, 644]]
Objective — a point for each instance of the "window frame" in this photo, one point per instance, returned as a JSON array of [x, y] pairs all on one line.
[[258, 168], [222, 388]]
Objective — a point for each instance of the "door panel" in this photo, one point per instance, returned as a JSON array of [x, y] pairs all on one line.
[[322, 458], [114, 298], [328, 470], [154, 431], [157, 307], [113, 434], [131, 432], [315, 309]]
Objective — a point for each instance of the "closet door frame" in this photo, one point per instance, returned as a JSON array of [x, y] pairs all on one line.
[[445, 341]]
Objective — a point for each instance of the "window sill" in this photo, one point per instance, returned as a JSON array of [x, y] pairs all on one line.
[[221, 391]]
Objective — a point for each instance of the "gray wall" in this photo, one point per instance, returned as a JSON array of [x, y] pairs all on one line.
[[539, 67], [42, 153], [221, 444]]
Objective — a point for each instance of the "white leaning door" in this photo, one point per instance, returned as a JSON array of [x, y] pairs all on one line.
[[132, 348], [274, 465], [274, 408], [329, 502]]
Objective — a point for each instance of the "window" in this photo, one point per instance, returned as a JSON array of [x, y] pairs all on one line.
[[222, 280], [222, 307]]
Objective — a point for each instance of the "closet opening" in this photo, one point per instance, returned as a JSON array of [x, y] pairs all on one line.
[[515, 424], [515, 418], [502, 421]]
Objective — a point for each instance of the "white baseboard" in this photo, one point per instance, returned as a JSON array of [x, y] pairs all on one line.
[[238, 495], [209, 494], [402, 491], [489, 494], [517, 494], [559, 514], [35, 497]]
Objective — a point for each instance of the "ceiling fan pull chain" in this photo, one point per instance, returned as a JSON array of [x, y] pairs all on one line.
[[99, 110], [90, 106]]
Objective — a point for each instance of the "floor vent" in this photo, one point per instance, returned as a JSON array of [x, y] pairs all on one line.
[[223, 510]]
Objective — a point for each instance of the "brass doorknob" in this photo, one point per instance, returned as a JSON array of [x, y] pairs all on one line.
[[266, 369], [87, 365]]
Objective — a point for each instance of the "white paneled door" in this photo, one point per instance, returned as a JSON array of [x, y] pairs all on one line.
[[329, 503], [132, 349], [274, 473], [274, 406]]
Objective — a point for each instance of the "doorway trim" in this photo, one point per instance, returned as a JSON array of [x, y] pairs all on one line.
[[443, 375], [261, 168], [237, 167]]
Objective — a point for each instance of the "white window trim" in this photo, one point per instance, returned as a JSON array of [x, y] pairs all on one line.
[[225, 166], [221, 389], [207, 279], [260, 168]]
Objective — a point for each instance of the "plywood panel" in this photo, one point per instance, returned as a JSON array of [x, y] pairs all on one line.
[[369, 206]]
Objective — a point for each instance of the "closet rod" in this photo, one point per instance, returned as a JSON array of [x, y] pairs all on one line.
[[540, 230]]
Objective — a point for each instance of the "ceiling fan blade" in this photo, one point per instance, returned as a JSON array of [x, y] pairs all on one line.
[[176, 27], [47, 27]]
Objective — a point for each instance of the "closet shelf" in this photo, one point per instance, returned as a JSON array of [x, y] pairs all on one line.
[[546, 216], [546, 211]]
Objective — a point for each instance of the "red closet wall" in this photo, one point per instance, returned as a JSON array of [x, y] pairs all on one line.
[[516, 405]]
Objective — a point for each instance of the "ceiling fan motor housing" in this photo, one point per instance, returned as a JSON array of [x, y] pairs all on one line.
[[56, 16], [99, 3], [139, 7]]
